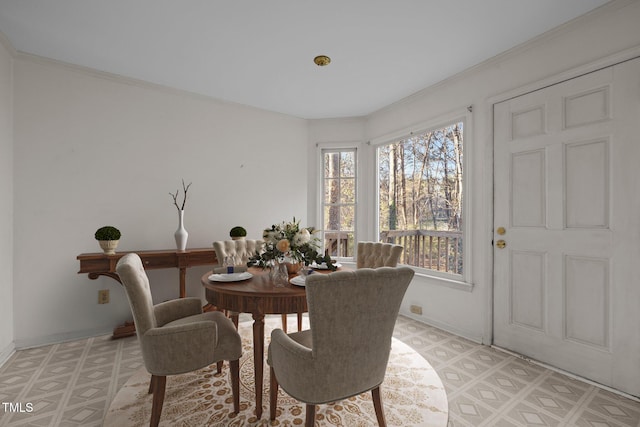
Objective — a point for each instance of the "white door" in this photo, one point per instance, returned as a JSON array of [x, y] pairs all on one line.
[[567, 196]]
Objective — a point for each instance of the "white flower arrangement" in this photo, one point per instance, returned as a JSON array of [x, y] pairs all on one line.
[[289, 242]]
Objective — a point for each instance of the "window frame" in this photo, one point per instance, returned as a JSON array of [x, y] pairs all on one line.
[[464, 116], [323, 148]]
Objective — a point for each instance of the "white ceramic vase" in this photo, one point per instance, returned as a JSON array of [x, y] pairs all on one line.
[[181, 234]]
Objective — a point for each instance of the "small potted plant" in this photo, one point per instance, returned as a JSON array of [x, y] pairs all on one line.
[[108, 237], [238, 233]]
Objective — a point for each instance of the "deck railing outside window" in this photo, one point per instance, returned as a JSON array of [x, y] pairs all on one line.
[[339, 243], [434, 250]]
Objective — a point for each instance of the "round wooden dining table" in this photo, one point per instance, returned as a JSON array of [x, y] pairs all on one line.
[[258, 296]]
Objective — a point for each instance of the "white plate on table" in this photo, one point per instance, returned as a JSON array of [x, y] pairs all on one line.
[[298, 280], [323, 266], [232, 277]]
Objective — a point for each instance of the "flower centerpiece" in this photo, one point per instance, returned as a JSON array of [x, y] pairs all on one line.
[[289, 243]]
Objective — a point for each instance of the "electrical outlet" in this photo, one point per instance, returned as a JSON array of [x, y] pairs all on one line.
[[416, 309], [103, 296]]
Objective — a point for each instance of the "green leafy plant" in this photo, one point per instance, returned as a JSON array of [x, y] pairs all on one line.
[[238, 232], [107, 232]]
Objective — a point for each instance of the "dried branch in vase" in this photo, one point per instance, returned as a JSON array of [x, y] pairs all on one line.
[[184, 200]]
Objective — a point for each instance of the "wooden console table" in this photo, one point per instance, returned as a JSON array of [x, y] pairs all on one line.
[[99, 264]]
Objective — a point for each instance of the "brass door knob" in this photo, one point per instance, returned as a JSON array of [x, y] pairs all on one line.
[[501, 244]]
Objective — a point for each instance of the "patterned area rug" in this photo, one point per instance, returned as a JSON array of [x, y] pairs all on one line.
[[412, 395]]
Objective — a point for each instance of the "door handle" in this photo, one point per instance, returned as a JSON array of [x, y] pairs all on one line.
[[501, 244]]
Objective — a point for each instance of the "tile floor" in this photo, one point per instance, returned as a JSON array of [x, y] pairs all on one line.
[[72, 384], [488, 387]]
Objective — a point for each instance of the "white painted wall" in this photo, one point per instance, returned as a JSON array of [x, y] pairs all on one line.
[[585, 41], [94, 150], [6, 201]]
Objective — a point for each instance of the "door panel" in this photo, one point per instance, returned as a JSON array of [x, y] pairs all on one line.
[[587, 297], [528, 189], [527, 289], [567, 192], [587, 182]]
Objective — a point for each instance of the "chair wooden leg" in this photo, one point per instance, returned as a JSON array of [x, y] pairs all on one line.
[[273, 394], [159, 385], [299, 322], [311, 415], [234, 371], [234, 319], [284, 323], [377, 405], [152, 383], [219, 364]]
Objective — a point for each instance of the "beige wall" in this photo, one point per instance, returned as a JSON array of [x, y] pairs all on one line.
[[6, 195], [93, 150]]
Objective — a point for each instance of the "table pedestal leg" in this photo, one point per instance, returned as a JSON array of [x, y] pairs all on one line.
[[258, 358]]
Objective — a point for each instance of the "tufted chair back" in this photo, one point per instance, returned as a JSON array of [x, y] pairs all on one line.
[[352, 315], [136, 285], [242, 249], [374, 255]]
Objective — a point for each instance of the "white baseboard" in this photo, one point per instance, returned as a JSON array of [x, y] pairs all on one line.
[[23, 344], [444, 326], [6, 353]]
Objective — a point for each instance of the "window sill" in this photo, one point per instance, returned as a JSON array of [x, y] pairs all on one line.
[[449, 283]]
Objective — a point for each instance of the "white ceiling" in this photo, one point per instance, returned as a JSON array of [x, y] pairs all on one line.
[[260, 53]]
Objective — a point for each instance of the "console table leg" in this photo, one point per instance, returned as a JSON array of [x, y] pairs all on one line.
[[126, 330], [183, 281]]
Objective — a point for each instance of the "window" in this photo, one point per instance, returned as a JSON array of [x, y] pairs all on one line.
[[339, 201], [420, 181]]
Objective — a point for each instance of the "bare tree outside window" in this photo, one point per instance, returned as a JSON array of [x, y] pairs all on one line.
[[420, 201], [339, 201]]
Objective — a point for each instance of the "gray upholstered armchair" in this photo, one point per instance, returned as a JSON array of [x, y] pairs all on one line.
[[240, 249], [374, 255], [352, 315], [176, 336]]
